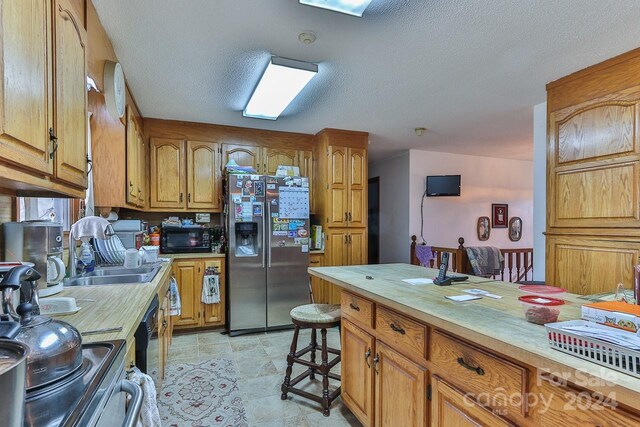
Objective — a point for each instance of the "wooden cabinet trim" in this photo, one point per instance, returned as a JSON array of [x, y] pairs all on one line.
[[359, 310], [408, 336]]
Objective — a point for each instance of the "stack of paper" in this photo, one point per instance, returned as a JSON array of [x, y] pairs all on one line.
[[610, 335]]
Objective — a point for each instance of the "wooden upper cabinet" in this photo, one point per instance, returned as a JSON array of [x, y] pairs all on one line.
[[357, 195], [451, 407], [142, 171], [401, 390], [133, 160], [337, 182], [203, 175], [70, 95], [274, 157], [594, 163], [305, 161], [244, 155], [168, 176], [25, 101]]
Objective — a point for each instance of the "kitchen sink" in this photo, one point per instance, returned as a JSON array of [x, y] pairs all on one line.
[[114, 276], [120, 271]]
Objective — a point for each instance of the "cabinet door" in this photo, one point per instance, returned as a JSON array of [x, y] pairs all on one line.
[[244, 155], [357, 246], [214, 313], [336, 253], [305, 161], [337, 181], [450, 408], [357, 373], [133, 160], [317, 284], [25, 98], [203, 175], [274, 157], [187, 273], [167, 173], [357, 194], [401, 390], [142, 170], [71, 95]]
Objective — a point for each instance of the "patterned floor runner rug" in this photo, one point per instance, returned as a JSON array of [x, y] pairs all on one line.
[[201, 395]]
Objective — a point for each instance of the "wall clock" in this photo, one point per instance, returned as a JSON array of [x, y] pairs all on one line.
[[114, 89]]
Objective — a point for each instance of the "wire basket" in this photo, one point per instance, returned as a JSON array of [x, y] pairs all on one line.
[[601, 352], [108, 253]]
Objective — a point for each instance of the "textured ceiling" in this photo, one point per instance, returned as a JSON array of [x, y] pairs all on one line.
[[467, 70]]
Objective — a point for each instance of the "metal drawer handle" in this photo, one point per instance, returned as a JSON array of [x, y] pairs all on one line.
[[349, 216], [346, 217], [366, 357], [397, 329], [354, 307], [478, 370], [54, 139], [375, 362], [314, 262]]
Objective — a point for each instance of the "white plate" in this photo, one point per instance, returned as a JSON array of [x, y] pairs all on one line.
[[103, 251], [116, 254]]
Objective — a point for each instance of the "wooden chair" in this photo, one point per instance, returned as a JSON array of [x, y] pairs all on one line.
[[517, 267]]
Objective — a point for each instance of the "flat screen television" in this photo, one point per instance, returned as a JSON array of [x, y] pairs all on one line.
[[443, 185]]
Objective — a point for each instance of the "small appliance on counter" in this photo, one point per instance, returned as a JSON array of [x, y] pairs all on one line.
[[131, 232], [39, 242], [174, 240]]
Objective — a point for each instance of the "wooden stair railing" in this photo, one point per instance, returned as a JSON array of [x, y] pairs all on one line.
[[517, 266]]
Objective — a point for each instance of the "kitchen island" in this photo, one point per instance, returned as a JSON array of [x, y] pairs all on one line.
[[412, 357]]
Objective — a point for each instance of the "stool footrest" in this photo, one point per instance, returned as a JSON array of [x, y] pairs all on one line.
[[332, 396]]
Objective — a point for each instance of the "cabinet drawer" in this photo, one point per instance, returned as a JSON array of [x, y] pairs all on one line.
[[479, 372], [357, 309], [566, 405], [401, 333]]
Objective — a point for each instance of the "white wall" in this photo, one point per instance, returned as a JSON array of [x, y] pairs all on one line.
[[485, 180], [394, 200], [539, 188]]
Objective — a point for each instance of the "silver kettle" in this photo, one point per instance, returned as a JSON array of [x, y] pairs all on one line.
[[55, 347]]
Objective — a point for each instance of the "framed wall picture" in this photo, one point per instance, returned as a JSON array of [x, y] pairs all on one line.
[[515, 228], [499, 215], [484, 228]]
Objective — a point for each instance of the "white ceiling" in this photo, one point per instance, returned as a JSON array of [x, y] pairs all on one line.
[[467, 70]]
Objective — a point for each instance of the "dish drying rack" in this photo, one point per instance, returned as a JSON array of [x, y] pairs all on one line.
[[594, 350], [109, 252]]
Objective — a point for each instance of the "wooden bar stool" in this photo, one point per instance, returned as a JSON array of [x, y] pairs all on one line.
[[314, 316]]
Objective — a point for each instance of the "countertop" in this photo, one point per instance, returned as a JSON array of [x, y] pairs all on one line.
[[110, 306], [498, 325]]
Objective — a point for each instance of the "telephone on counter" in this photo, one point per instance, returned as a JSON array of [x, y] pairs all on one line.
[[443, 279]]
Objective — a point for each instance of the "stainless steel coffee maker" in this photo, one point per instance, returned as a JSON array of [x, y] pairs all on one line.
[[39, 242]]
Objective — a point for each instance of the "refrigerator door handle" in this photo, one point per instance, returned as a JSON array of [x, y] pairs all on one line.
[[266, 230], [267, 236]]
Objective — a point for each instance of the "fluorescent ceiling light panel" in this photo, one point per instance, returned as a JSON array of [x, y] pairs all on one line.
[[350, 7], [281, 82]]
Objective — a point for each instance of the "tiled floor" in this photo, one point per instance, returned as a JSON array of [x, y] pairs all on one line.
[[261, 362]]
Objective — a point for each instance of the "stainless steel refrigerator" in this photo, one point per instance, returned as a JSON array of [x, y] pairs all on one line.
[[268, 254]]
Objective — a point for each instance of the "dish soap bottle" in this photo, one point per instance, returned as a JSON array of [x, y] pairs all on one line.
[[87, 259]]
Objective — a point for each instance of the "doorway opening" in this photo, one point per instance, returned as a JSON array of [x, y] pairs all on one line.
[[374, 221]]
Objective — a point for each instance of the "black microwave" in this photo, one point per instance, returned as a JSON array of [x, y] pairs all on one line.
[[175, 240]]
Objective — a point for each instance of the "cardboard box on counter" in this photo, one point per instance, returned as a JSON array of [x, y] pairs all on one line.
[[616, 314]]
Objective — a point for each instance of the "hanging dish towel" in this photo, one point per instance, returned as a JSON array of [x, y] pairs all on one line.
[[149, 414], [211, 289], [176, 305]]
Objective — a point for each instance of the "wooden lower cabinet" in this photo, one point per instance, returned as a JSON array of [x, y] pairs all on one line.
[[189, 274], [451, 408], [401, 390], [357, 353]]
